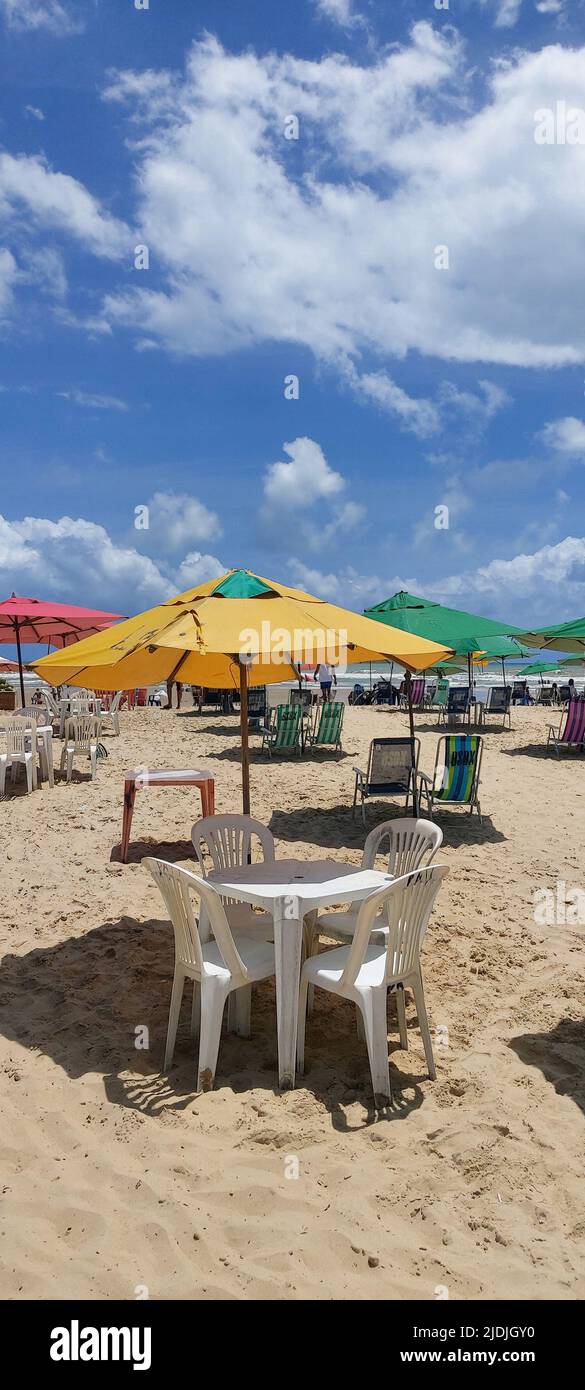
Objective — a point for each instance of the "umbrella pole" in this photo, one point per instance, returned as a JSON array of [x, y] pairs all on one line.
[[17, 630], [244, 735], [411, 722]]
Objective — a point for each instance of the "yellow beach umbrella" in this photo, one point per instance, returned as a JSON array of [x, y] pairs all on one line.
[[233, 632]]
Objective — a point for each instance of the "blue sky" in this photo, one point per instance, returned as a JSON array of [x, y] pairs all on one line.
[[428, 377]]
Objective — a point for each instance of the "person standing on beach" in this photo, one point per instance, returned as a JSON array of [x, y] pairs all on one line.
[[325, 674]]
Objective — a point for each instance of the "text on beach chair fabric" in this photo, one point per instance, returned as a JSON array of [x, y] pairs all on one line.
[[390, 764], [458, 700], [461, 754], [498, 700]]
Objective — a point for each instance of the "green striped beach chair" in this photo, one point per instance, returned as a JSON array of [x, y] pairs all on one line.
[[455, 780], [284, 731], [326, 731]]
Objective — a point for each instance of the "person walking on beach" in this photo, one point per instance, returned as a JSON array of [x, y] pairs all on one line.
[[325, 674]]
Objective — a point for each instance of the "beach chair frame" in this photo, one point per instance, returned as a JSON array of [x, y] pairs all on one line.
[[429, 787], [497, 703], [366, 787], [285, 730], [572, 723], [457, 704]]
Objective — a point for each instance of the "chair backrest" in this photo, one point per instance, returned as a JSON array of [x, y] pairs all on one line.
[[392, 762], [50, 701], [304, 698], [176, 886], [288, 726], [83, 730], [229, 840], [441, 693], [417, 692], [115, 702], [410, 841], [574, 730], [518, 688], [545, 693], [564, 692], [18, 735], [257, 701], [458, 699], [34, 714], [408, 902], [461, 757], [330, 721], [498, 699]]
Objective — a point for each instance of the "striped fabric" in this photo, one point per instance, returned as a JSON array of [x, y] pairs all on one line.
[[461, 754], [329, 727], [286, 732], [574, 730]]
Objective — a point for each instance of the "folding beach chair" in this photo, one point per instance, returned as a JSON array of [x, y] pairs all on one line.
[[284, 731], [519, 691], [257, 707], [438, 695], [572, 733], [392, 769], [457, 705], [564, 694], [545, 695], [417, 694], [497, 702], [326, 731], [455, 780]]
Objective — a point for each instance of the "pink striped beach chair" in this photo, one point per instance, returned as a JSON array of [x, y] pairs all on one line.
[[417, 693], [571, 732]]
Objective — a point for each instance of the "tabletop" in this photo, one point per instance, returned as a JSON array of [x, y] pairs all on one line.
[[315, 880]]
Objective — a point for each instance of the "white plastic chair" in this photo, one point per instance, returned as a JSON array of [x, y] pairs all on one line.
[[365, 971], [21, 750], [82, 735], [229, 841], [112, 714], [411, 842], [230, 962], [39, 717]]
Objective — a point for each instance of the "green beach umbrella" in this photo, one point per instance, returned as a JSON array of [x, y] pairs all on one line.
[[539, 668], [468, 633], [565, 637]]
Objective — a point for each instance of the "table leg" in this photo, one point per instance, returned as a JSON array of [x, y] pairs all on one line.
[[129, 799], [288, 939]]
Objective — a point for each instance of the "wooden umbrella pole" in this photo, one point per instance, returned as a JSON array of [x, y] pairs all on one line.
[[244, 734], [17, 630], [413, 756]]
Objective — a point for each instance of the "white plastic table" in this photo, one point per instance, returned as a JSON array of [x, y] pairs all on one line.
[[290, 888]]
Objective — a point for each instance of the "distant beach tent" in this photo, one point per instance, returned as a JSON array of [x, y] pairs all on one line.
[[230, 633], [33, 621], [565, 637]]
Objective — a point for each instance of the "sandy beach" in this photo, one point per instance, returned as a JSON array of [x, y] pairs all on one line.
[[118, 1181]]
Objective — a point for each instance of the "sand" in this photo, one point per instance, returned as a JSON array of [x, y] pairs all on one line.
[[118, 1182]]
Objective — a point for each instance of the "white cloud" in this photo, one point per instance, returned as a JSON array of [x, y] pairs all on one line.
[[306, 478], [341, 257], [537, 589], [93, 400], [508, 12], [9, 276], [177, 520], [49, 15], [76, 559], [418, 415], [57, 201], [196, 569], [340, 11], [36, 112], [550, 6], [566, 436]]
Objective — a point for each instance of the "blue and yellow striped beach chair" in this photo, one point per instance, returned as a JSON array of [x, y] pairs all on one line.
[[455, 781]]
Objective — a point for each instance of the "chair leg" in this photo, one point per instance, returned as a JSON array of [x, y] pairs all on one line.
[[196, 1010], [3, 765], [423, 1023], [401, 1011], [239, 1011], [174, 1011], [303, 996], [213, 997], [93, 761], [30, 770], [373, 1006], [70, 755]]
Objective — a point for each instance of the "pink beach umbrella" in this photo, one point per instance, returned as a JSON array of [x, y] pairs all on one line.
[[33, 620]]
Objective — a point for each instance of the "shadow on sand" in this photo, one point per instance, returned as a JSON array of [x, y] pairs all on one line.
[[559, 1056], [87, 1002], [335, 828]]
